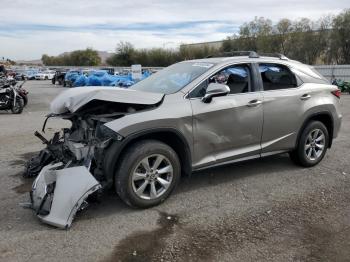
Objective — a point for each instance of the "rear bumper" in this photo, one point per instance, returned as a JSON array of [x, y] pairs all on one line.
[[58, 193]]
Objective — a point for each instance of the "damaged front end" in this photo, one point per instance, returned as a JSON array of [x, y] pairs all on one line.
[[70, 168]]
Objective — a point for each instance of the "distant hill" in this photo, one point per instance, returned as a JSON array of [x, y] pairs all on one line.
[[29, 62], [103, 54]]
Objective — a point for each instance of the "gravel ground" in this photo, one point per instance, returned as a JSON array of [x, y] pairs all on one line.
[[265, 210]]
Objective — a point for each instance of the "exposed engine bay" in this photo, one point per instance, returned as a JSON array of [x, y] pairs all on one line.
[[70, 168], [81, 144]]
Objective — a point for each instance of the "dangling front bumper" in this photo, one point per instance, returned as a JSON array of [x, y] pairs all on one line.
[[58, 193]]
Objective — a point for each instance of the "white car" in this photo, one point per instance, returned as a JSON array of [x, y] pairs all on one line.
[[45, 75]]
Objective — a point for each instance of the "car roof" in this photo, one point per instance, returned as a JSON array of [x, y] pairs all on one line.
[[245, 59], [304, 68]]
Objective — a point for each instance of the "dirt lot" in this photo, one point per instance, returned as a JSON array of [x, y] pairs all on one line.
[[264, 210]]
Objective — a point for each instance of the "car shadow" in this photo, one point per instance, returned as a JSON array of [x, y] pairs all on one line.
[[231, 172], [111, 204]]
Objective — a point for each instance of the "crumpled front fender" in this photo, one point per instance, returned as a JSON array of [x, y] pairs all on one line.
[[57, 194]]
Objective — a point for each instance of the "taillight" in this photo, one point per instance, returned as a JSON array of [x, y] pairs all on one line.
[[337, 93]]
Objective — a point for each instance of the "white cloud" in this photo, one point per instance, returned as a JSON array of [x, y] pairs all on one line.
[[30, 28]]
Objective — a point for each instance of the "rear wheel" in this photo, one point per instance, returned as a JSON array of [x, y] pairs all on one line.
[[312, 145], [18, 107], [149, 171]]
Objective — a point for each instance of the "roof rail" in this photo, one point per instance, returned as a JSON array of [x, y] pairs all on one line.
[[250, 54], [278, 55]]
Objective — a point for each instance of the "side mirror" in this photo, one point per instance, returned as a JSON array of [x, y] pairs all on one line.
[[215, 90]]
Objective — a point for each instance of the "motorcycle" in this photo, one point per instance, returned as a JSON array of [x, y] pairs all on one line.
[[23, 93], [11, 97]]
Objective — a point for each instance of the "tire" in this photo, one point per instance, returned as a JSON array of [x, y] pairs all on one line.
[[132, 176], [25, 100], [64, 83], [18, 108], [312, 145]]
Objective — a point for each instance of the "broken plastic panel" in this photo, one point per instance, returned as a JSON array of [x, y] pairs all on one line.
[[57, 194]]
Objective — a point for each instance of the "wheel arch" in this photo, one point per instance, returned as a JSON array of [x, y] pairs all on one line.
[[169, 136], [324, 117]]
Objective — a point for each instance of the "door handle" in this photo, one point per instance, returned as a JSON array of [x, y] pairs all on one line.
[[254, 102], [305, 97]]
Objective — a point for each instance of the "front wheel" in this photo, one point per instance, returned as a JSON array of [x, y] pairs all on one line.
[[25, 100], [149, 171], [312, 145], [18, 107]]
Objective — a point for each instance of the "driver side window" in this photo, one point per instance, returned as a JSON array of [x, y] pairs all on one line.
[[236, 77]]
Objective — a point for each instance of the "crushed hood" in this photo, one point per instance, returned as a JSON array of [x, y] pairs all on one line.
[[73, 99]]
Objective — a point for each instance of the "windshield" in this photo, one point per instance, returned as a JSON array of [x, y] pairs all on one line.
[[173, 78]]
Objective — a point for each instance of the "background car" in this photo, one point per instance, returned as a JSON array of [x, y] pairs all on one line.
[[45, 75], [59, 76]]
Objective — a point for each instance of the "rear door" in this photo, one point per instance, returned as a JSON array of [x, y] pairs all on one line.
[[283, 107], [229, 127]]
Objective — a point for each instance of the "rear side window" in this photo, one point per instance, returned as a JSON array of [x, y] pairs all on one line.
[[275, 76]]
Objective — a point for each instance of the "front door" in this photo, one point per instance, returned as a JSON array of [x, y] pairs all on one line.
[[229, 127]]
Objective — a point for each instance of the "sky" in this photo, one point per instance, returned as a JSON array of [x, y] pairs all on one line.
[[30, 28]]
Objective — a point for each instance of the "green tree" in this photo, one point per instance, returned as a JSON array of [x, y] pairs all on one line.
[[196, 52], [283, 29], [306, 39], [124, 55], [340, 38], [87, 57], [255, 35], [232, 43], [45, 59]]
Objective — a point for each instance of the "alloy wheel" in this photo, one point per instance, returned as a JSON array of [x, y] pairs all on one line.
[[315, 144], [152, 177]]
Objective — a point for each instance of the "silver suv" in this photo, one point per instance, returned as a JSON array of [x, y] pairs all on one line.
[[189, 116]]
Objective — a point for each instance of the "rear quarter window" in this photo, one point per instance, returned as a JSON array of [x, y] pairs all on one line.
[[309, 74]]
